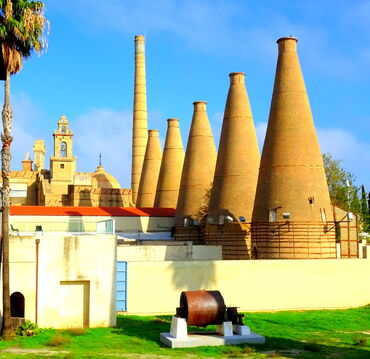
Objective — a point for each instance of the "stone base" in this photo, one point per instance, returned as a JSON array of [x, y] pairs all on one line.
[[179, 329], [225, 329], [241, 330], [198, 340]]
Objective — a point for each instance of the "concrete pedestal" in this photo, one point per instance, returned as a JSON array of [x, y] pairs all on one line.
[[225, 329], [241, 330], [179, 329], [199, 340], [179, 337]]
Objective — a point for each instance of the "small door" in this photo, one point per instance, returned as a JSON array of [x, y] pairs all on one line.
[[74, 304]]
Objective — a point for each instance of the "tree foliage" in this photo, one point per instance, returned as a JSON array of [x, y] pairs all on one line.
[[342, 189], [365, 214], [22, 25]]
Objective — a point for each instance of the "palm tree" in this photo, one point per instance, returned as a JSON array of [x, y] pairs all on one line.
[[22, 24]]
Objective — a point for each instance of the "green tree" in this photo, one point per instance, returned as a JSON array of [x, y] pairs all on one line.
[[343, 192], [22, 25], [365, 211]]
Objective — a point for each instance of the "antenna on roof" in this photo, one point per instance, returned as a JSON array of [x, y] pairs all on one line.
[[99, 159]]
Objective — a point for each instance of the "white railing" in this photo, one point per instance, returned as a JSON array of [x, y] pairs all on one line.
[[88, 226], [105, 227]]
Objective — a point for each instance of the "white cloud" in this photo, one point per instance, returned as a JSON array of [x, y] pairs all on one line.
[[25, 128], [359, 14], [202, 23], [107, 132], [218, 27], [99, 131], [343, 145]]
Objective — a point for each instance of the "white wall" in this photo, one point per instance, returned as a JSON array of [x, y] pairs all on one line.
[[77, 279]]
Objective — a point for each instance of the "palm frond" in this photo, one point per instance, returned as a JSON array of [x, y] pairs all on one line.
[[12, 58], [23, 28]]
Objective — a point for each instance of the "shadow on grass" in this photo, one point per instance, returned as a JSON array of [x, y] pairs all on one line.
[[149, 328], [311, 349]]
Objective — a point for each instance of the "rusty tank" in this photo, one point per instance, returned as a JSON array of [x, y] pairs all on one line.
[[205, 307]]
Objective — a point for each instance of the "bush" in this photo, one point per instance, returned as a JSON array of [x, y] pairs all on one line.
[[248, 350], [233, 352], [360, 342], [58, 340], [27, 329]]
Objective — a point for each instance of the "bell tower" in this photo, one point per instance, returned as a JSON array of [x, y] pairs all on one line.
[[63, 164]]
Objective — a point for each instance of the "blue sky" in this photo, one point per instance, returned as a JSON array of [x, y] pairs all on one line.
[[192, 46]]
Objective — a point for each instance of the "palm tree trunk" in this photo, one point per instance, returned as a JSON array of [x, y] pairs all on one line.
[[6, 138]]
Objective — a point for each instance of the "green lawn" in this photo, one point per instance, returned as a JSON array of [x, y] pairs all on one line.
[[308, 334]]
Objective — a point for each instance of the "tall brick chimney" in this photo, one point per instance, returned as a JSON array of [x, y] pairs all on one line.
[[238, 159], [140, 116], [171, 167], [199, 165], [292, 186], [150, 173]]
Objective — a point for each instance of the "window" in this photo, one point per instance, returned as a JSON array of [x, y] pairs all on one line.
[[63, 149], [121, 298], [272, 216], [62, 165], [323, 214]]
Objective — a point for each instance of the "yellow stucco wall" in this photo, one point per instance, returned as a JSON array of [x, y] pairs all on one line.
[[254, 285], [77, 279]]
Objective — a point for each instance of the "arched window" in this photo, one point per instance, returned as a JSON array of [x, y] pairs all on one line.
[[64, 130], [63, 149], [17, 305]]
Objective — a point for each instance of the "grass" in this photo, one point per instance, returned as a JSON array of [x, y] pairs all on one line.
[[301, 335]]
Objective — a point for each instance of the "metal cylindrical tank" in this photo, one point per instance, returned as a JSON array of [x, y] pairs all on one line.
[[202, 307]]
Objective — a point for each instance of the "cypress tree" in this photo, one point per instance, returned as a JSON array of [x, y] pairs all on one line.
[[365, 218]]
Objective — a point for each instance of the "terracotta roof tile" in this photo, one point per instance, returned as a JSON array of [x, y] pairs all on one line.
[[91, 211]]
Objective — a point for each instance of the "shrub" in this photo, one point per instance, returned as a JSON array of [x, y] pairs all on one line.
[[233, 352], [27, 329], [248, 350], [360, 342], [58, 340]]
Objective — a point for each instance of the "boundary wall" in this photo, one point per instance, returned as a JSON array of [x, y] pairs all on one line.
[[251, 285]]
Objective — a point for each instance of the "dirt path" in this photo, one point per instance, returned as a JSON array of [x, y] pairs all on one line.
[[37, 351]]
